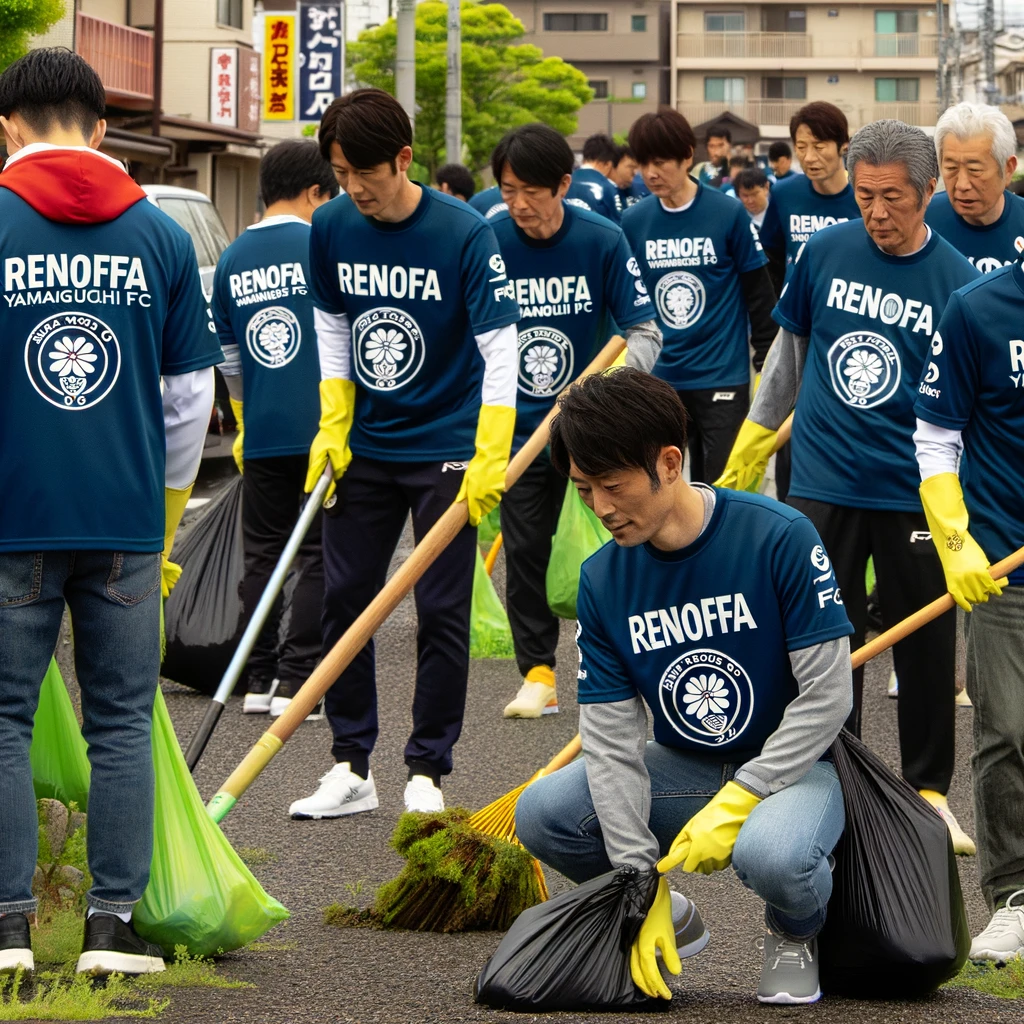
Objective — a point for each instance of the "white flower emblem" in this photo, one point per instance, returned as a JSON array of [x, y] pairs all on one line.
[[864, 367], [385, 349], [274, 337], [679, 301], [541, 359], [706, 695], [72, 357]]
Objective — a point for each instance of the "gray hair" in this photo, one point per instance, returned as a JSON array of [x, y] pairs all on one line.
[[893, 142], [967, 119]]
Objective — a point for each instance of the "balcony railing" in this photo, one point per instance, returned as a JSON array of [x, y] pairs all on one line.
[[786, 45], [778, 112], [121, 56]]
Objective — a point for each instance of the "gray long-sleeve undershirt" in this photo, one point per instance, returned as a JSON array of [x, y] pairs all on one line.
[[615, 734], [644, 343], [781, 377]]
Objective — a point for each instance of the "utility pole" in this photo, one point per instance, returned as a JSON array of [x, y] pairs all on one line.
[[405, 58], [940, 69], [158, 64], [453, 94], [988, 50]]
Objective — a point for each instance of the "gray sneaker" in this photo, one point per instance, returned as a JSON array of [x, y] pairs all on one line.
[[790, 971], [691, 934]]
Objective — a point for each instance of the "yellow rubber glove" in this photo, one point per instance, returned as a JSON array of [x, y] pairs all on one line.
[[337, 408], [757, 384], [657, 932], [963, 561], [175, 500], [749, 458], [238, 448], [484, 482], [707, 839]]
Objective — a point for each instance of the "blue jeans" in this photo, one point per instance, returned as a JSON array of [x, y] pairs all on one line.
[[114, 600], [781, 854]]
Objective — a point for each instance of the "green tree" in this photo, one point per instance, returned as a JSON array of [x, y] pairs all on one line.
[[504, 84], [20, 19]]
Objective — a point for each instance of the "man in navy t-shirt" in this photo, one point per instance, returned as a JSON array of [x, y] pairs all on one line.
[[857, 319], [488, 202], [701, 260], [591, 182], [264, 316], [970, 402], [624, 177], [415, 322], [977, 214], [718, 613], [573, 273], [101, 299]]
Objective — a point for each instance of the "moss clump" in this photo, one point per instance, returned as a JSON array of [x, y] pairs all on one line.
[[1004, 982]]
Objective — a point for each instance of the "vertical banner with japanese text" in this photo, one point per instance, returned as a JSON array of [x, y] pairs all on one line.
[[224, 86], [321, 58], [279, 45]]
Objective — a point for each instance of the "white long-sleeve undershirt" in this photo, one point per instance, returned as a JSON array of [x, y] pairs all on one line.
[[938, 449], [187, 401]]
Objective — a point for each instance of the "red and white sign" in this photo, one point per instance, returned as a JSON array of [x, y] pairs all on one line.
[[224, 86]]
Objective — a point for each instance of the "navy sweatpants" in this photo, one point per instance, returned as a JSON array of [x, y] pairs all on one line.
[[359, 539]]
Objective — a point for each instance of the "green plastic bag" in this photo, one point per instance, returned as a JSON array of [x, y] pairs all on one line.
[[869, 577], [489, 528], [60, 763], [200, 894], [490, 635], [578, 535]]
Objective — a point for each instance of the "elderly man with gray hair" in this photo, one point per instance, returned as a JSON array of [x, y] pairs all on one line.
[[977, 214], [857, 320]]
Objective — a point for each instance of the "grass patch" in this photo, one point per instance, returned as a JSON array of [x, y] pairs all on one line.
[[57, 999], [254, 856], [340, 916], [189, 972], [1003, 982], [271, 947], [58, 939]]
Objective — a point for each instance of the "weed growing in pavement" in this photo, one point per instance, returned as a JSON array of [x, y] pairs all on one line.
[[189, 972], [271, 947], [58, 939], [1005, 982], [55, 998], [253, 856]]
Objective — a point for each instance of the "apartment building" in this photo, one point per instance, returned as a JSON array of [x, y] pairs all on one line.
[[762, 62], [622, 46]]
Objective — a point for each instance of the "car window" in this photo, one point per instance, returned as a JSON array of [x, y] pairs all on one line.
[[182, 212], [208, 214]]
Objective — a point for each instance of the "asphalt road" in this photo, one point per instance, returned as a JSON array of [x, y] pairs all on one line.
[[318, 973]]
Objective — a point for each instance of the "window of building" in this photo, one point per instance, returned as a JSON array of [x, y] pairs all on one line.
[[639, 22], [229, 12], [639, 90], [600, 87], [778, 88], [575, 22], [892, 22], [724, 21], [724, 90], [784, 19], [897, 90]]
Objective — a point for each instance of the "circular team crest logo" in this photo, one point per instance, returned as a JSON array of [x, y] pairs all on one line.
[[73, 360], [707, 697], [865, 369], [273, 337], [389, 349], [680, 298], [545, 361]]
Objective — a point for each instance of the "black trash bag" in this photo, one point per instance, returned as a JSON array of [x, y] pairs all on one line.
[[203, 616], [572, 952], [897, 925]]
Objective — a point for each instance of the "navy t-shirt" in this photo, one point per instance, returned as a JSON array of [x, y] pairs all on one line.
[[593, 188], [261, 303], [797, 211], [488, 202], [704, 634], [93, 315], [568, 288], [974, 382], [870, 319], [416, 293], [691, 261], [987, 246]]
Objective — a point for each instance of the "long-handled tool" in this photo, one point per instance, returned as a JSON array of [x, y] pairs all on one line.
[[441, 534], [492, 555], [256, 623]]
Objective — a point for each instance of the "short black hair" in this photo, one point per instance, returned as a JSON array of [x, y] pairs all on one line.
[[53, 85], [825, 121], [600, 149], [739, 161], [622, 152], [458, 178], [369, 125], [717, 131], [752, 177], [291, 167], [665, 135], [777, 150], [536, 154], [617, 420]]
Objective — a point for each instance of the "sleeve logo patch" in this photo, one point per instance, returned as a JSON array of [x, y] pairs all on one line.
[[73, 360], [819, 559], [497, 264], [273, 337]]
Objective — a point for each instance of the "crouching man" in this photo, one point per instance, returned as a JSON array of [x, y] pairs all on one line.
[[719, 611]]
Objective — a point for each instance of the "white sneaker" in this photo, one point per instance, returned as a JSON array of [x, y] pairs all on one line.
[[1003, 938], [532, 701], [257, 703], [963, 844], [691, 933], [893, 689], [279, 705], [963, 700], [341, 792], [422, 795]]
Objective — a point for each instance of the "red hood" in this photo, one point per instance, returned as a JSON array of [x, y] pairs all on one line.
[[72, 186]]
